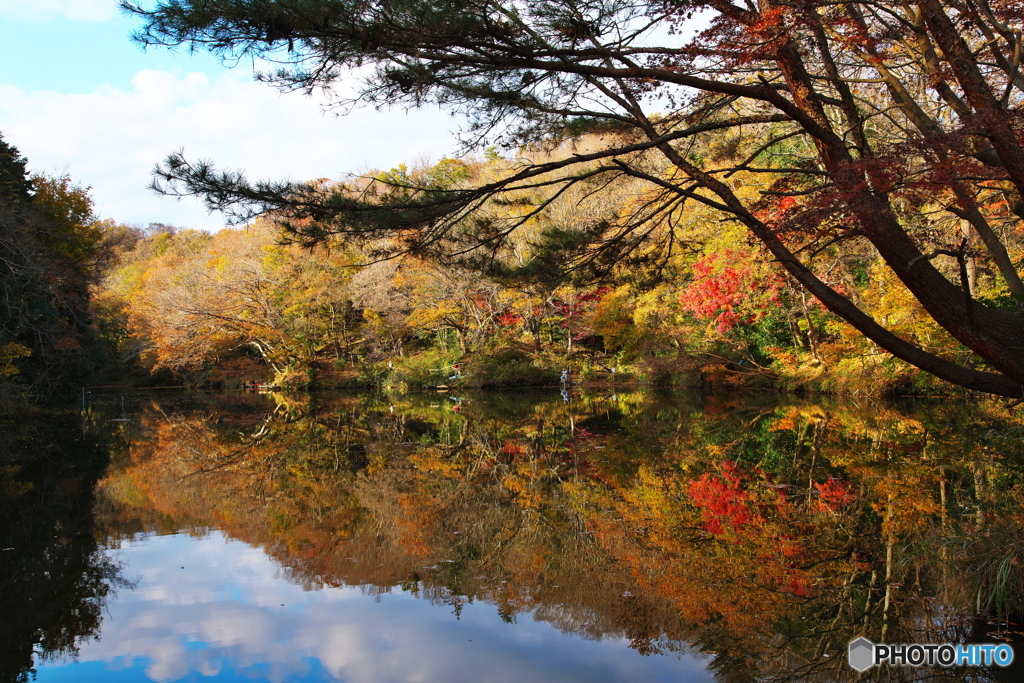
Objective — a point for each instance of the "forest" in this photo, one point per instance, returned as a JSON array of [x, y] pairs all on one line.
[[165, 305], [806, 197]]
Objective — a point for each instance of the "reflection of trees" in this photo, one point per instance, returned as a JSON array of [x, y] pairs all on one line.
[[782, 552], [54, 579], [768, 534]]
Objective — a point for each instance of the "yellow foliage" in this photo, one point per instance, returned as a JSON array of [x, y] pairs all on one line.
[[10, 352]]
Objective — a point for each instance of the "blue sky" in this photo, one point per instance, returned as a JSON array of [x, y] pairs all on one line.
[[50, 50], [77, 96]]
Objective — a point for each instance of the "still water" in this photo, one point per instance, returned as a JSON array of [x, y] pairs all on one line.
[[504, 537], [228, 614]]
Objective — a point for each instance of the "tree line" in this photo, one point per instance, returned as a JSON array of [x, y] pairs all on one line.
[[53, 250], [165, 304], [888, 130]]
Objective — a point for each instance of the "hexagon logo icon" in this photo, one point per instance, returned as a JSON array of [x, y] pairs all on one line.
[[861, 654]]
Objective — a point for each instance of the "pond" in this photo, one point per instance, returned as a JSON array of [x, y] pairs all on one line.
[[620, 536]]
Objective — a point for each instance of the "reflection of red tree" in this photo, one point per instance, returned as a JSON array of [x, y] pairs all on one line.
[[723, 499], [735, 509]]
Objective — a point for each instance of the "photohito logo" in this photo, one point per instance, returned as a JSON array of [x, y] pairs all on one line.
[[863, 654]]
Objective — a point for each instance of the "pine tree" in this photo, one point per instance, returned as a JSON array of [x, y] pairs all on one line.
[[872, 127], [14, 180]]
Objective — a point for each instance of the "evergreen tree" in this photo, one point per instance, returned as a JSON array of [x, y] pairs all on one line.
[[14, 181], [47, 251], [870, 127]]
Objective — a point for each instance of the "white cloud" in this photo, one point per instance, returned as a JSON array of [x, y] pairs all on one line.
[[228, 609], [42, 10], [111, 138]]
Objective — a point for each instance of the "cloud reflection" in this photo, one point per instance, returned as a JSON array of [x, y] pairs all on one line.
[[221, 609]]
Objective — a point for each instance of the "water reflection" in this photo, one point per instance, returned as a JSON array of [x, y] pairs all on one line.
[[54, 577], [754, 535], [227, 615]]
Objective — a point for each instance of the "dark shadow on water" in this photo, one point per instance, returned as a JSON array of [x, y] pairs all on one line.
[[54, 578]]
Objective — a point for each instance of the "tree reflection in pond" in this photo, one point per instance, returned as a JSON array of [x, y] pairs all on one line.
[[54, 577], [765, 531]]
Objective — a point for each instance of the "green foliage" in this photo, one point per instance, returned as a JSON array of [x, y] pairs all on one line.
[[433, 367], [49, 257], [510, 367], [15, 184], [447, 174], [771, 332]]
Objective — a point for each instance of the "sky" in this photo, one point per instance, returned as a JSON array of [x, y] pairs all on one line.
[[78, 97]]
